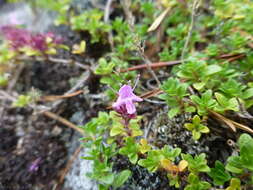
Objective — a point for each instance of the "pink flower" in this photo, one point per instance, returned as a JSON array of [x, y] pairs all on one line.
[[19, 38], [38, 42], [125, 102], [35, 165]]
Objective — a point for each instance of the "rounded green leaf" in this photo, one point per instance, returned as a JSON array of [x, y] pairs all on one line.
[[196, 120], [199, 86], [212, 69], [196, 135], [189, 126], [121, 178], [107, 179], [204, 129], [190, 109], [116, 131], [173, 112]]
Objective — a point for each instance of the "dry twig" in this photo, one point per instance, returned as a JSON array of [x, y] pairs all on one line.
[[195, 6], [107, 20], [78, 85], [6, 96], [68, 167], [68, 62], [232, 124], [158, 20], [152, 65], [234, 58], [14, 80], [55, 60], [140, 50], [63, 121], [52, 98], [243, 112], [228, 57], [155, 101]]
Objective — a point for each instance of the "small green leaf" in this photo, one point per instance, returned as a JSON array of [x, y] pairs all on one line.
[[104, 68], [196, 127], [196, 164], [196, 120], [144, 146], [3, 80], [196, 135], [121, 178], [189, 126], [190, 109], [133, 158], [226, 103], [205, 103], [102, 187], [234, 165], [22, 101], [117, 130], [203, 129], [220, 98], [212, 49], [199, 86], [233, 104], [245, 140], [107, 179], [152, 162], [235, 184], [247, 93], [130, 149], [196, 99], [246, 151], [218, 174], [169, 152], [196, 184], [31, 52], [135, 127], [174, 180], [103, 118], [212, 69], [173, 112]]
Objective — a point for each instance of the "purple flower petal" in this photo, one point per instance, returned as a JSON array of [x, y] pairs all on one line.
[[130, 107], [125, 102], [35, 165]]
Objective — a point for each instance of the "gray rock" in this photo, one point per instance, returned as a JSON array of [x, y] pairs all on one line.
[[22, 14], [76, 178]]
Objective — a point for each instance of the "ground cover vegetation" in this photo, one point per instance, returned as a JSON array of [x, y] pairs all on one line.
[[191, 60]]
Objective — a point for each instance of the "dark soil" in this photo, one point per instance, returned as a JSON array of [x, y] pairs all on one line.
[[24, 141], [141, 178]]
